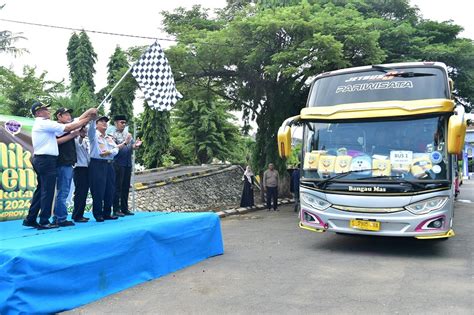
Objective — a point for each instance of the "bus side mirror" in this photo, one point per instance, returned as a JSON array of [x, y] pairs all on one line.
[[284, 141], [456, 134]]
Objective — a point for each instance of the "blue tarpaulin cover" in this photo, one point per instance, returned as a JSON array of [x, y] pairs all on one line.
[[55, 270]]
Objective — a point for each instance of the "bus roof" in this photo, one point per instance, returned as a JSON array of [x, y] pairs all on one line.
[[388, 65]]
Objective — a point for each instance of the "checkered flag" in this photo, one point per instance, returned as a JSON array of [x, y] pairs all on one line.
[[155, 79]]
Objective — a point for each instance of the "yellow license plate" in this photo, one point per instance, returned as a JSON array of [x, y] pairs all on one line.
[[365, 225]]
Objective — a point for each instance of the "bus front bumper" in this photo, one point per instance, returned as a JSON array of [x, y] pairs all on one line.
[[400, 224]]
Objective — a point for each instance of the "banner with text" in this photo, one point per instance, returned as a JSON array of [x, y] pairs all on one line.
[[17, 177]]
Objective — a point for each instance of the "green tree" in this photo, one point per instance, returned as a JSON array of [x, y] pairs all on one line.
[[79, 102], [7, 39], [262, 57], [155, 129], [21, 92], [81, 59], [179, 149], [123, 97], [207, 127]]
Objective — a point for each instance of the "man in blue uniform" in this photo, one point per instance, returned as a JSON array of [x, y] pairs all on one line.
[[45, 149], [123, 165], [101, 170]]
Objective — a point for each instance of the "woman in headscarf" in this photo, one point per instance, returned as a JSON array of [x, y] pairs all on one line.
[[247, 194]]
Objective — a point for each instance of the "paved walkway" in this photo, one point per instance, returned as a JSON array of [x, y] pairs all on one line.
[[270, 266]]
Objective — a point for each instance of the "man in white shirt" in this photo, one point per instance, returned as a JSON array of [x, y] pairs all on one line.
[[46, 152], [101, 170]]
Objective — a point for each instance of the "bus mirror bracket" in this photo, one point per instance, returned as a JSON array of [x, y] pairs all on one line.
[[284, 137], [456, 132]]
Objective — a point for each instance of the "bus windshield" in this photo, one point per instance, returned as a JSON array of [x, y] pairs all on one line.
[[411, 149], [380, 84]]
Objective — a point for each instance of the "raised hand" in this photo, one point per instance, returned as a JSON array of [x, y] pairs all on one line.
[[128, 138], [105, 153], [138, 143]]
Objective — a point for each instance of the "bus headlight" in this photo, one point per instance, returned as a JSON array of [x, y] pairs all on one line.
[[425, 206], [314, 202]]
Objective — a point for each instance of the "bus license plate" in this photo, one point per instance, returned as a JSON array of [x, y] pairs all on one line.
[[365, 225]]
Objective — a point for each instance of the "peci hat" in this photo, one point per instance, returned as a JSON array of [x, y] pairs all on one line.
[[120, 117], [102, 118], [62, 110], [38, 106]]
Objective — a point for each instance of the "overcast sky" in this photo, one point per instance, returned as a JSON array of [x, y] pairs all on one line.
[[47, 46]]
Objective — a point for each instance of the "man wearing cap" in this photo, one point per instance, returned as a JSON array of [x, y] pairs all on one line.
[[45, 149], [101, 170], [66, 159], [123, 165]]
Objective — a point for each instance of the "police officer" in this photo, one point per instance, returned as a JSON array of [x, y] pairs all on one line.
[[123, 165], [101, 170], [45, 149]]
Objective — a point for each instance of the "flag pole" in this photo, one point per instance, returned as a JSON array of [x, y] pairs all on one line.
[[133, 164], [116, 85]]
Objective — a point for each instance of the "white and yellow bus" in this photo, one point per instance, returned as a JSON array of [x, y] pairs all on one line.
[[378, 151]]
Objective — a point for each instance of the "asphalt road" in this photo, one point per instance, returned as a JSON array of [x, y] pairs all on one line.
[[271, 266]]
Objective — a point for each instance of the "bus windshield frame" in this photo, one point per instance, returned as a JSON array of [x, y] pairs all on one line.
[[398, 150], [379, 84]]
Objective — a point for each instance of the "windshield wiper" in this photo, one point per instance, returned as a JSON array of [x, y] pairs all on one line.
[[382, 68], [398, 177], [411, 74], [322, 184]]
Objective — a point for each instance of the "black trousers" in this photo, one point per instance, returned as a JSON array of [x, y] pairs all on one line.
[[81, 182], [123, 175], [102, 185], [45, 168], [297, 200], [272, 195]]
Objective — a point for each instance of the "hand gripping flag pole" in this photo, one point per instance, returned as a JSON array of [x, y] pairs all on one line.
[[155, 79]]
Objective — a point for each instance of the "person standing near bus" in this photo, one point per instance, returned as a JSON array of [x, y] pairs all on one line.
[[295, 186], [270, 184], [247, 199]]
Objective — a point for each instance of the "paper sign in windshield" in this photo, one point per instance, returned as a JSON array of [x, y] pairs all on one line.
[[401, 157]]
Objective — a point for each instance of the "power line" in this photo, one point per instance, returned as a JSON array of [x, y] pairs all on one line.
[[85, 30], [110, 33]]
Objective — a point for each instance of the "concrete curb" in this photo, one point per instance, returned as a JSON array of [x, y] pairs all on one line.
[[226, 213], [158, 169]]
